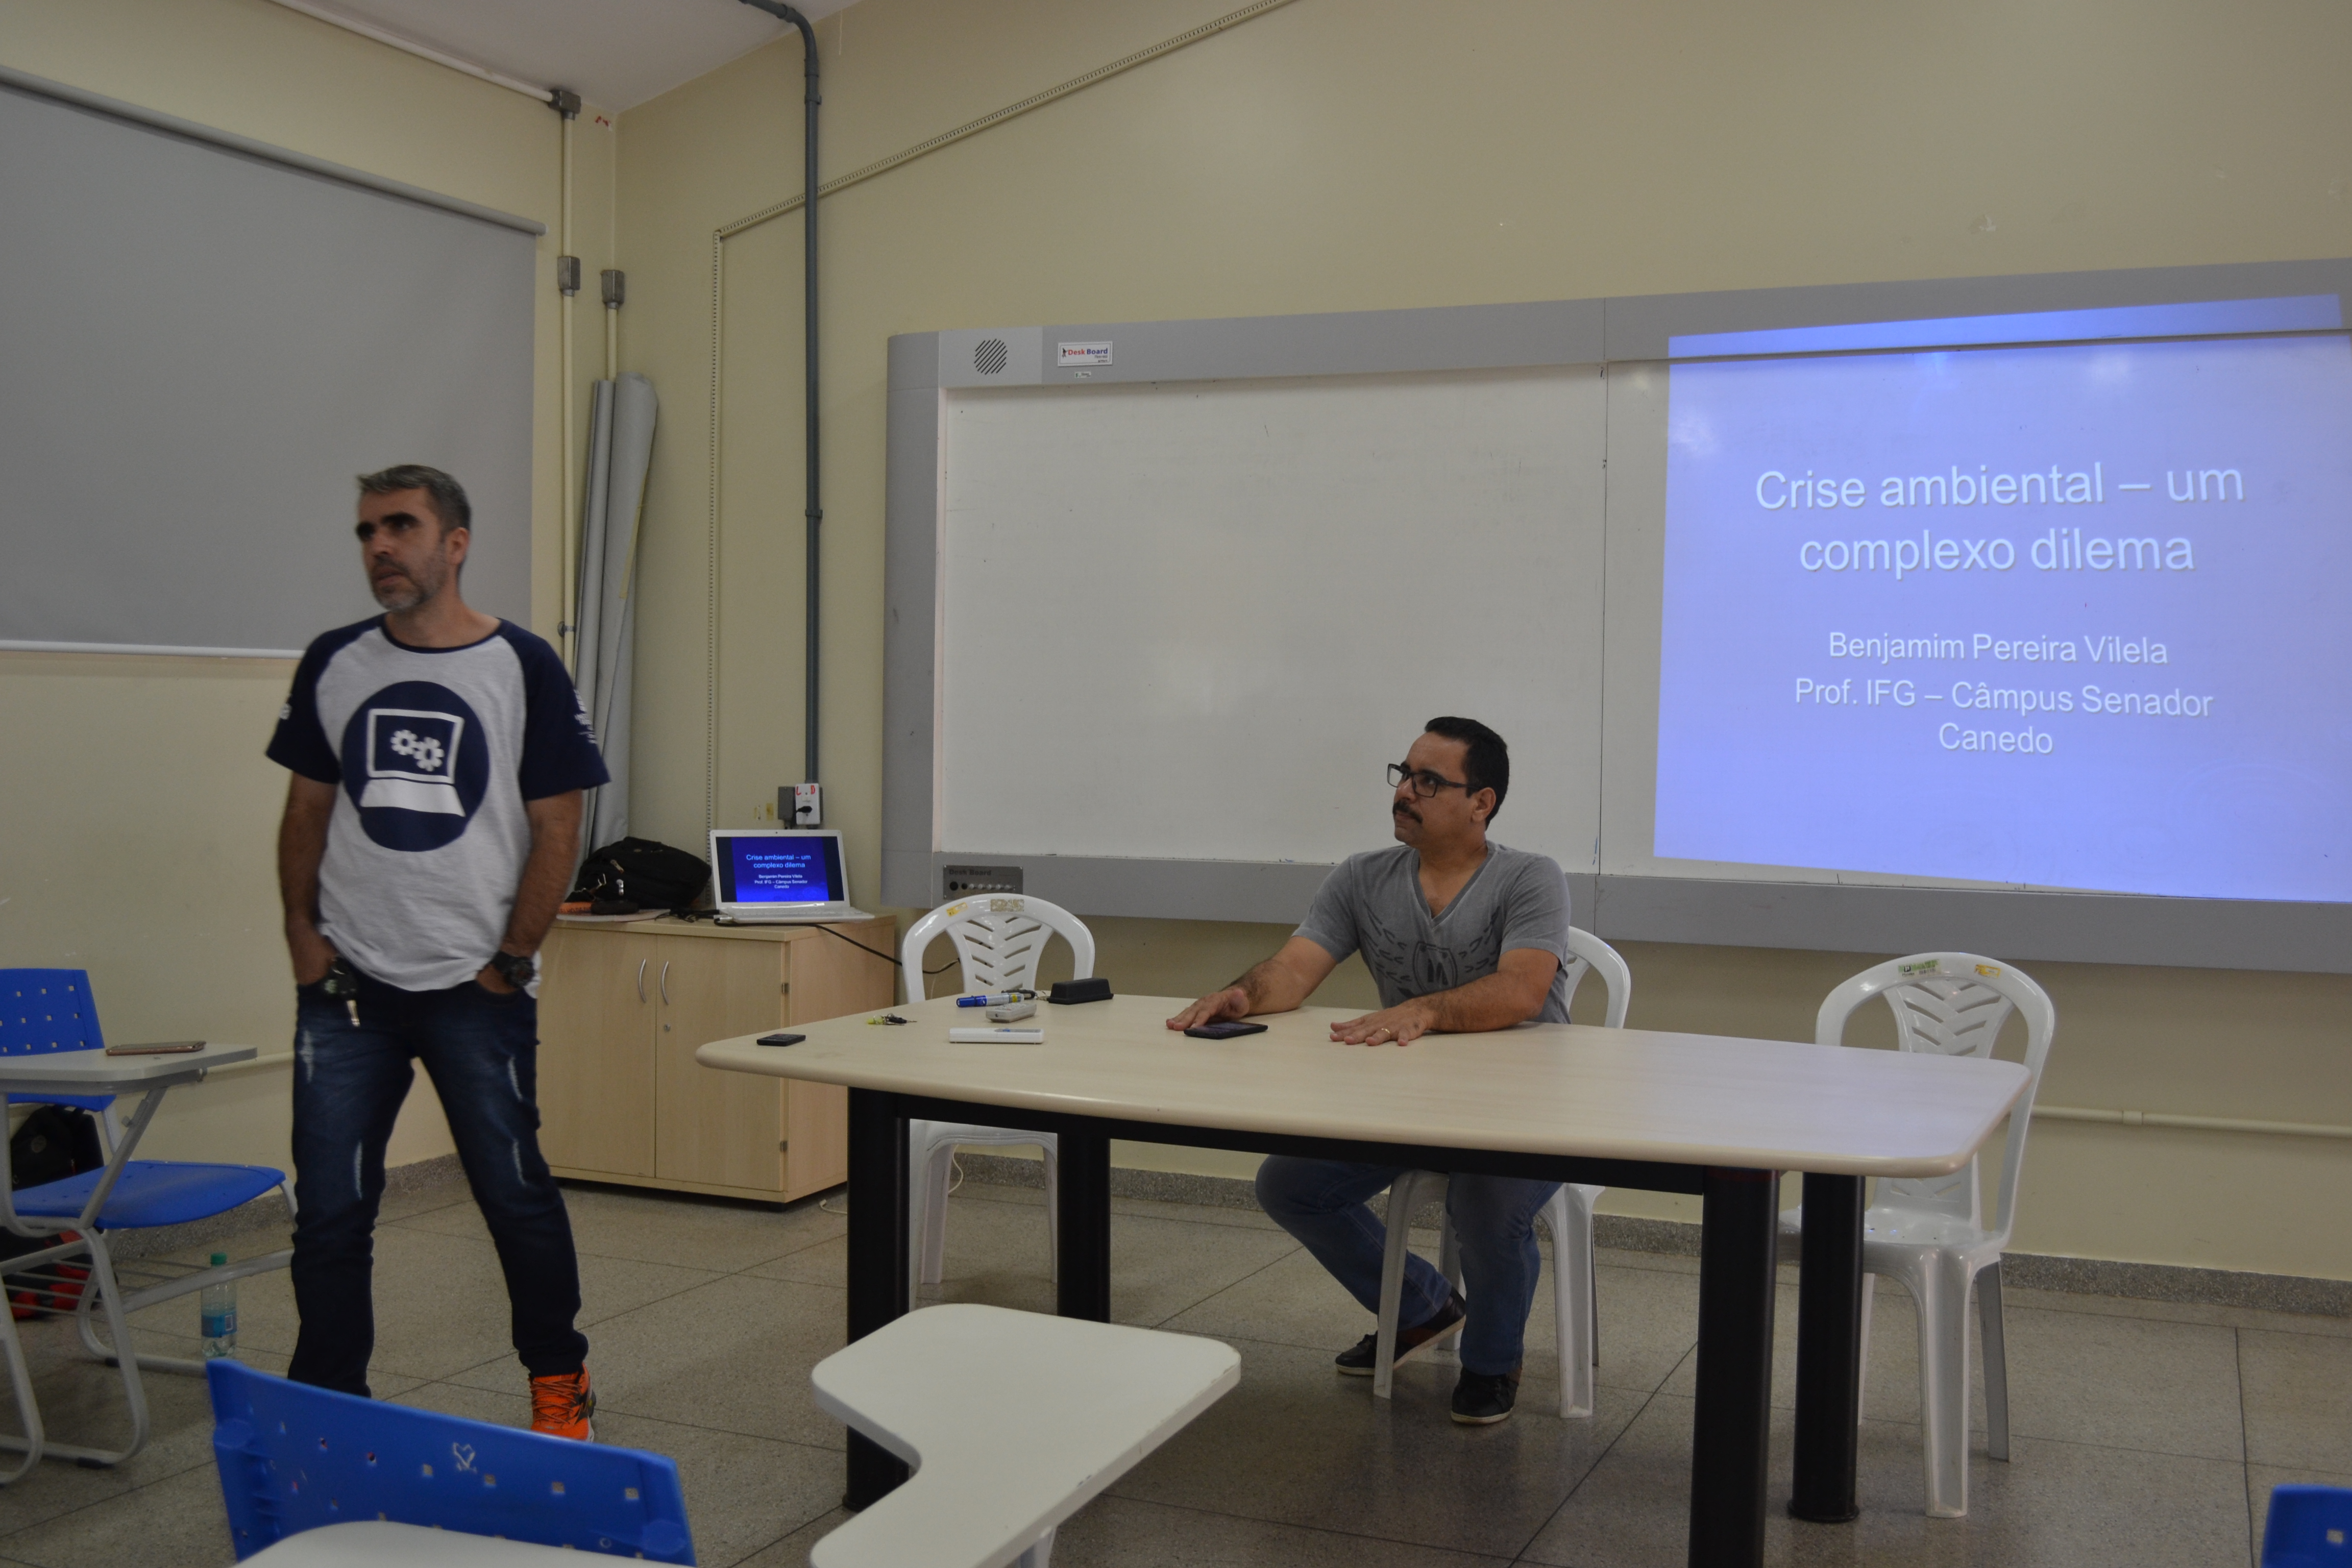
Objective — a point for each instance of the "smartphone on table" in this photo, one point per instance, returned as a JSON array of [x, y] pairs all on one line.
[[156, 1049], [1224, 1030]]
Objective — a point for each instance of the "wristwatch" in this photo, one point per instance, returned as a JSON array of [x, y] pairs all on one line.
[[517, 968]]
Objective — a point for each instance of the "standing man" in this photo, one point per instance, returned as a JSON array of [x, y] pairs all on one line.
[[431, 828], [1462, 935]]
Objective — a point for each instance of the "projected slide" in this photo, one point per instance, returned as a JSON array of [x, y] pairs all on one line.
[[2059, 614]]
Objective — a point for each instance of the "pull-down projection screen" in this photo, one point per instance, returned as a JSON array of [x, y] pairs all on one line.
[[201, 343]]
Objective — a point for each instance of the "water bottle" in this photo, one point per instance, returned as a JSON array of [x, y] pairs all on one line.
[[219, 1311]]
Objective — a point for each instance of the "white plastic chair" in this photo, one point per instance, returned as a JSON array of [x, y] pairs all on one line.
[[999, 938], [1569, 1215], [1929, 1232]]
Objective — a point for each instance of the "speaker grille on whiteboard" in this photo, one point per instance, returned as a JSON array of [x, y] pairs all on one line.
[[989, 357]]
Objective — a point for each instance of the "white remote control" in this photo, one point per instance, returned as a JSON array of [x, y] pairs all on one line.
[[1007, 1011]]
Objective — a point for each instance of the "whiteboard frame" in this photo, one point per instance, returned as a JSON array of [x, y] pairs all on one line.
[[2102, 928]]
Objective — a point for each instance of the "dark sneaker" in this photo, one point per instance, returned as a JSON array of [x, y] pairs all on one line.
[[1357, 1359], [1481, 1401]]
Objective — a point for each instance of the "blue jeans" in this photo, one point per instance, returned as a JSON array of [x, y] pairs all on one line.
[[481, 1051], [1321, 1202]]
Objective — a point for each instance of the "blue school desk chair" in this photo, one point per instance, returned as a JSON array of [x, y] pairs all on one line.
[[293, 1457], [46, 1011], [2309, 1527]]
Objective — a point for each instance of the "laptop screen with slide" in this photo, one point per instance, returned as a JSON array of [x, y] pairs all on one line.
[[777, 872]]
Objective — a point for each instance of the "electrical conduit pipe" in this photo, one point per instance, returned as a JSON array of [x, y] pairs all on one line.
[[810, 99]]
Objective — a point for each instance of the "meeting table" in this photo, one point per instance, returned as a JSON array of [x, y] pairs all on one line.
[[1712, 1115]]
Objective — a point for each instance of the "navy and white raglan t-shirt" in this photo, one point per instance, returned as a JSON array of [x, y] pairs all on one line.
[[436, 750]]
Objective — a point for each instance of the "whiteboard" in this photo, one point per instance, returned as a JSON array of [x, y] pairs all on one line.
[[1161, 598], [1193, 621]]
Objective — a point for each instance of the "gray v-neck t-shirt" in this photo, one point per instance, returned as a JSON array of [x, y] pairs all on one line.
[[1372, 902]]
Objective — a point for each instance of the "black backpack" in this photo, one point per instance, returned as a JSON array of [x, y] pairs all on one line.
[[54, 1142], [640, 871]]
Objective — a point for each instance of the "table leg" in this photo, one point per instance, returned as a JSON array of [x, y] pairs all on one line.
[[1829, 1351], [877, 1261], [1083, 1193], [1735, 1367]]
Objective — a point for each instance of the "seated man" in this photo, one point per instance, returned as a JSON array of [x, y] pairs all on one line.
[[1462, 935]]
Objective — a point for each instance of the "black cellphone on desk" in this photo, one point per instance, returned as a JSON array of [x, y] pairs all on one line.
[[1224, 1031], [780, 1038]]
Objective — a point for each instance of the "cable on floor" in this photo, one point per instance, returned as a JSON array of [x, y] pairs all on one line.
[[955, 1180]]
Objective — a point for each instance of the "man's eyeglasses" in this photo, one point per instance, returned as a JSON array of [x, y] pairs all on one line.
[[1425, 783]]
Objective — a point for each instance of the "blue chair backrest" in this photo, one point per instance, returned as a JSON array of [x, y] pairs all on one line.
[[49, 1010], [46, 1010], [293, 1457], [2310, 1527]]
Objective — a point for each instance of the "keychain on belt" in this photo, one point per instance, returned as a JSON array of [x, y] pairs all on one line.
[[343, 982]]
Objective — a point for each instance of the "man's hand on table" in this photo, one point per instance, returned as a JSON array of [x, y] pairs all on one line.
[[1278, 985], [1233, 1001], [1397, 1026], [1512, 994]]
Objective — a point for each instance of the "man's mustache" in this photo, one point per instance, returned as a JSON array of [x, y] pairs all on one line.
[[1401, 809]]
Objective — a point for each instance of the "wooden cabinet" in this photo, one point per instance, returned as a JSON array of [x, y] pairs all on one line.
[[621, 1008], [595, 1064]]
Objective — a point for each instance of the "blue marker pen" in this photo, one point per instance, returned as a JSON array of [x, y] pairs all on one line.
[[995, 998]]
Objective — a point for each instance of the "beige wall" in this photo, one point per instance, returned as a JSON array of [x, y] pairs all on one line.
[[1338, 154], [1332, 154], [139, 814]]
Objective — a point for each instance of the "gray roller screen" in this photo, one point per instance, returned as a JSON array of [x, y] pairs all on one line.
[[199, 348]]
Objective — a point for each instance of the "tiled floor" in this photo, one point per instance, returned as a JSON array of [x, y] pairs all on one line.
[[2145, 1433]]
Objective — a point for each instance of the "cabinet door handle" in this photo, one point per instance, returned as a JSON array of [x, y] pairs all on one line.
[[665, 983], [641, 977]]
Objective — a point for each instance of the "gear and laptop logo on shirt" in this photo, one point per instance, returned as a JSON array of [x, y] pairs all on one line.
[[410, 755], [415, 764]]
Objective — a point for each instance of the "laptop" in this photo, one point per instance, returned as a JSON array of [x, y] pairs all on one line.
[[778, 876]]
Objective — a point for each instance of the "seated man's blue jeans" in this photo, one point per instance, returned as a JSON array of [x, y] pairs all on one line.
[[1321, 1202], [481, 1051]]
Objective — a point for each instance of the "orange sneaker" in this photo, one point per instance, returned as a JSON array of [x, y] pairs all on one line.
[[563, 1405]]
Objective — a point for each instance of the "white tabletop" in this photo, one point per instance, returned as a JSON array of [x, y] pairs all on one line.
[[378, 1543], [95, 1072], [1011, 1420], [1546, 1089]]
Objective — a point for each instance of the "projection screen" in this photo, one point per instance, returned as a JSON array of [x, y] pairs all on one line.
[[204, 340]]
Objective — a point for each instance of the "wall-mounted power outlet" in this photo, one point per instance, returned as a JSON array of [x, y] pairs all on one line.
[[800, 804], [956, 881]]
